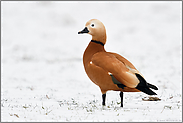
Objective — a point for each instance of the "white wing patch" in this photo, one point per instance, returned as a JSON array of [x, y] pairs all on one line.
[[109, 73], [91, 62]]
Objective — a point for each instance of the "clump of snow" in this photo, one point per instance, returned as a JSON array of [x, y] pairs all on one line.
[[43, 77]]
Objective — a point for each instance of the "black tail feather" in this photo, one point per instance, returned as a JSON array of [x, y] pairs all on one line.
[[152, 86], [146, 90], [144, 86]]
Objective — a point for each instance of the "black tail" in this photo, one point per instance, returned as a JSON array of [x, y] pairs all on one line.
[[144, 86], [152, 86]]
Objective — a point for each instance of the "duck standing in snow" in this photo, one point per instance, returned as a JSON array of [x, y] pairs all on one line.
[[110, 71]]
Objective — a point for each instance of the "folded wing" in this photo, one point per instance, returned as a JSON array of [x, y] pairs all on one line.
[[124, 73]]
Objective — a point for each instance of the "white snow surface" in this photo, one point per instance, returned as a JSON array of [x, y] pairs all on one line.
[[42, 74]]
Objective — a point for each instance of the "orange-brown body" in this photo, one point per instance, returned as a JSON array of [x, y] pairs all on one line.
[[100, 76]]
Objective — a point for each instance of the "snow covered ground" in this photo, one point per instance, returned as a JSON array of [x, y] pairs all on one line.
[[43, 77]]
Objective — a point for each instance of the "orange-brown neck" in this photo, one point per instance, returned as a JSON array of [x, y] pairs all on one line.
[[102, 37], [92, 48]]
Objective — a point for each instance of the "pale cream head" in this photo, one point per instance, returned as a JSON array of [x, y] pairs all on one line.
[[95, 28]]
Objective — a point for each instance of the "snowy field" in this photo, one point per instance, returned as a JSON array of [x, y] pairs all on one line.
[[43, 77]]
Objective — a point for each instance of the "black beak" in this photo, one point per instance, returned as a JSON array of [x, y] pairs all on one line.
[[85, 30]]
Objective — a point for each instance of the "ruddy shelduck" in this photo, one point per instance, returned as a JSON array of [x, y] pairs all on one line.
[[110, 71]]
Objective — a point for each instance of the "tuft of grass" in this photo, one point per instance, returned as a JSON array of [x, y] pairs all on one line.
[[89, 110], [25, 107], [169, 107], [69, 108], [166, 106], [14, 115]]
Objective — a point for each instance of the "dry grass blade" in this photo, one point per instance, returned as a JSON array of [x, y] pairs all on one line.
[[16, 115]]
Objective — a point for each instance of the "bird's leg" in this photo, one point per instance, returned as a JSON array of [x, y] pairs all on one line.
[[103, 99], [121, 95]]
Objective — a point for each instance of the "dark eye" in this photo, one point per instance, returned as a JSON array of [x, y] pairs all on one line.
[[92, 25]]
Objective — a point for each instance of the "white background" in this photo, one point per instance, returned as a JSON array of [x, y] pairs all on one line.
[[43, 77]]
